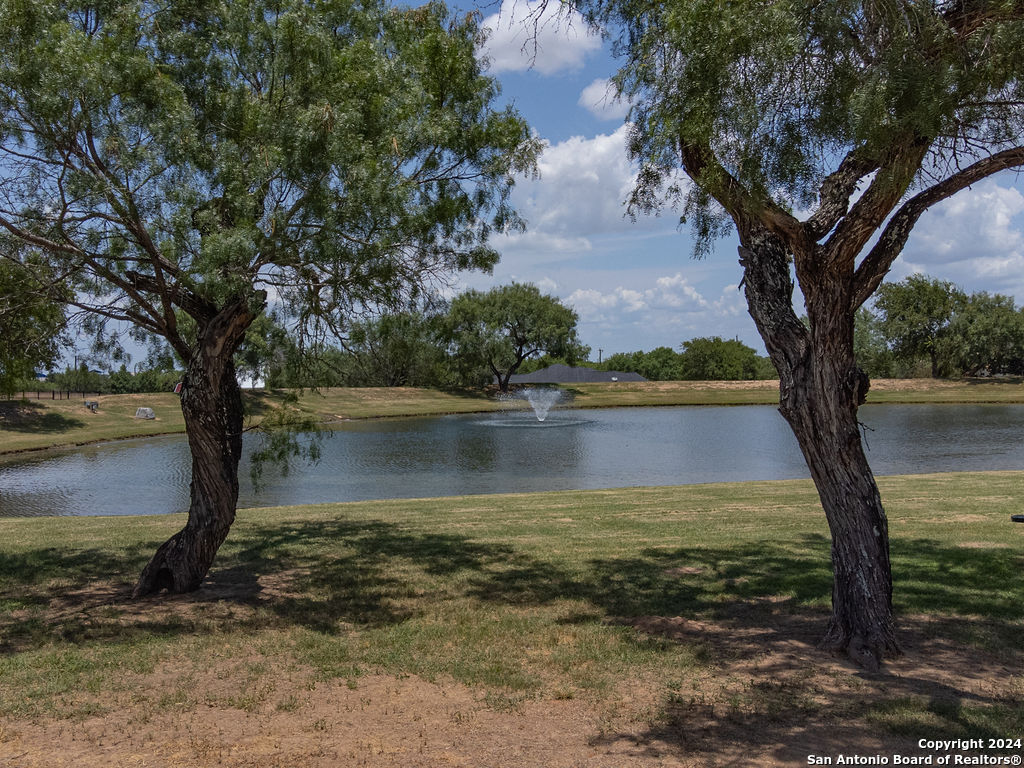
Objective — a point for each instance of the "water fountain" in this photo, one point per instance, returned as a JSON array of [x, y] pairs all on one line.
[[542, 400]]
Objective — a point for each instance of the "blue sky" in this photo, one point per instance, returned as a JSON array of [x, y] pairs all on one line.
[[636, 285]]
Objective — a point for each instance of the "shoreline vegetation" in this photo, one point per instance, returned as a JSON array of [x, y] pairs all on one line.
[[39, 424], [624, 628]]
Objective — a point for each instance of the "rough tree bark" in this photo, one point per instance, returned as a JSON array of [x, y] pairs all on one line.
[[820, 390], [211, 403]]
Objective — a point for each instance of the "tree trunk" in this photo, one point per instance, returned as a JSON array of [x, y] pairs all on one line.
[[820, 391], [822, 411], [211, 403]]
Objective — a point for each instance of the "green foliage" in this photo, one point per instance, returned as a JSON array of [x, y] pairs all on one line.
[[870, 346], [716, 359], [119, 382], [986, 335], [396, 350], [31, 321], [700, 359], [265, 349], [778, 91], [958, 334], [628, 362], [764, 369], [187, 157], [389, 350], [544, 361], [660, 364], [493, 333], [147, 380], [286, 433], [915, 314], [182, 162]]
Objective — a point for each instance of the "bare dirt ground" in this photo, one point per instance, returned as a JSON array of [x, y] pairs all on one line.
[[769, 699]]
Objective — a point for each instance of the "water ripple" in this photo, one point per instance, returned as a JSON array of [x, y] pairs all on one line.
[[511, 452]]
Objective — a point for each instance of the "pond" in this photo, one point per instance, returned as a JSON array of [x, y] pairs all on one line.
[[512, 452]]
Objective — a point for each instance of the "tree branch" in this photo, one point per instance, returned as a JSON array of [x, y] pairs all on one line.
[[835, 192], [968, 16], [876, 264], [700, 164], [869, 212]]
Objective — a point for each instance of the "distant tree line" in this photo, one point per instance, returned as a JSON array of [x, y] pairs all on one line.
[[918, 327], [471, 341], [477, 339], [706, 358], [922, 327], [119, 382]]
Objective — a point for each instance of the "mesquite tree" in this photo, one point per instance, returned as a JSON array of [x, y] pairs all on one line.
[[820, 131], [180, 162], [499, 330]]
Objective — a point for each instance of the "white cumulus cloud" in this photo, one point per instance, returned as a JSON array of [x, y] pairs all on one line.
[[976, 223], [669, 294], [665, 312], [601, 98], [975, 239], [548, 38], [583, 185]]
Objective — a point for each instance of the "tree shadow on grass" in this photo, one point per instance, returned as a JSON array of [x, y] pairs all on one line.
[[752, 611], [326, 575], [322, 576], [781, 700], [257, 403], [26, 416], [772, 720]]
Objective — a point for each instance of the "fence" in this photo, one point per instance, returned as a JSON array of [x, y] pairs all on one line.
[[51, 394]]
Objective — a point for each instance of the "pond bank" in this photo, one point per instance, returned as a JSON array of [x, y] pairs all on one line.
[[27, 425]]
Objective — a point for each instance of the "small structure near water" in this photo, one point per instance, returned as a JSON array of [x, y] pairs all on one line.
[[145, 413]]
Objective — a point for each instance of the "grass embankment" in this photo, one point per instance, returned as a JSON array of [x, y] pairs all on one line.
[[34, 424], [638, 627], [1010, 390]]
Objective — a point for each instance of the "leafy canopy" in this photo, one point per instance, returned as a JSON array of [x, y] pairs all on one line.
[[915, 315], [781, 92], [188, 155], [717, 359], [960, 334], [31, 320], [501, 328]]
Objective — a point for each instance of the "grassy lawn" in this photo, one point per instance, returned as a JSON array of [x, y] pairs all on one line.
[[32, 424], [627, 627]]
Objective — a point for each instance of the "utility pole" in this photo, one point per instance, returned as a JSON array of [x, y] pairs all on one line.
[[599, 353]]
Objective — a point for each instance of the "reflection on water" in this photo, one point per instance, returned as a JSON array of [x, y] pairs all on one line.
[[511, 452], [126, 477]]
